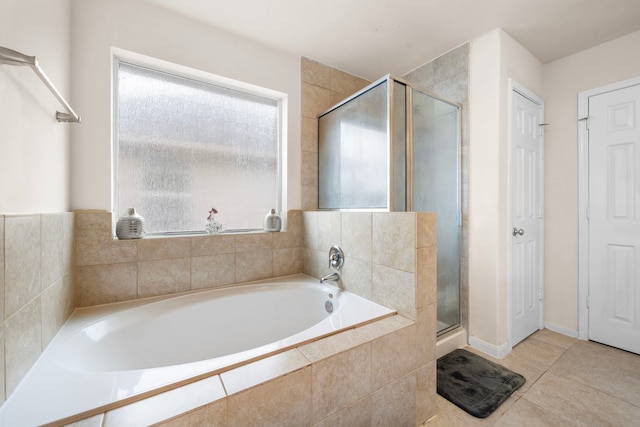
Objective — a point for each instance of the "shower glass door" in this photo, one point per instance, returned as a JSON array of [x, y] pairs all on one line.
[[436, 188], [353, 158]]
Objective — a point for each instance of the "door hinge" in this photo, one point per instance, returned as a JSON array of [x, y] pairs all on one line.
[[541, 294], [541, 213], [586, 120], [588, 213], [541, 127], [588, 302]]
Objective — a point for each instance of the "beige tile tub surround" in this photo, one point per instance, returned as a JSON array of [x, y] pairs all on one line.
[[163, 406], [379, 374], [372, 375], [23, 254], [112, 270], [363, 376], [389, 256], [36, 284]]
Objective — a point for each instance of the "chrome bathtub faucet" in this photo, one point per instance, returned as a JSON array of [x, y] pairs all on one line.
[[333, 277], [336, 260]]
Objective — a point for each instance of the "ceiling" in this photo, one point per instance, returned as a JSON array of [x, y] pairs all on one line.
[[371, 38]]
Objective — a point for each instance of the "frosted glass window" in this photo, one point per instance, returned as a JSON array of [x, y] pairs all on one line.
[[184, 146]]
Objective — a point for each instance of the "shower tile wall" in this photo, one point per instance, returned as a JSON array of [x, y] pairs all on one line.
[[448, 76], [390, 258], [322, 87], [111, 270], [36, 286]]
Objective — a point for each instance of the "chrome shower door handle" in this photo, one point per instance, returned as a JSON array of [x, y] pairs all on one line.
[[517, 232]]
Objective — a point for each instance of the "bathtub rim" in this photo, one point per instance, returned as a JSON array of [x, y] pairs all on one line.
[[285, 283], [101, 311], [84, 316]]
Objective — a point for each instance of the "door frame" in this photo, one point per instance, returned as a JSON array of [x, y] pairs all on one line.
[[516, 87], [583, 198]]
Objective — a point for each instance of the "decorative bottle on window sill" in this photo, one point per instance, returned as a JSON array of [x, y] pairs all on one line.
[[272, 221], [212, 226], [130, 225]]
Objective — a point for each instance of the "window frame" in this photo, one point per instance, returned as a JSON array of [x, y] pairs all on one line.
[[159, 65]]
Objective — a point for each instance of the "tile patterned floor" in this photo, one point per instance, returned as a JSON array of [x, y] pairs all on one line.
[[569, 383]]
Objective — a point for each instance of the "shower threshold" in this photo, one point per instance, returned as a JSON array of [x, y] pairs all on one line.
[[451, 340]]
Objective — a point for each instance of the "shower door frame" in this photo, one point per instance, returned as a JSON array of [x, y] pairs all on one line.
[[409, 163], [410, 184], [390, 200]]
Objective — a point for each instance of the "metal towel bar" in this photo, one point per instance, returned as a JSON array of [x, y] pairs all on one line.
[[11, 57]]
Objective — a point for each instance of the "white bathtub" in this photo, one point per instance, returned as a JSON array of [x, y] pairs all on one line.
[[109, 355]]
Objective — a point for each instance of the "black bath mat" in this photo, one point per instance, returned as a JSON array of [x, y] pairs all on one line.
[[474, 383]]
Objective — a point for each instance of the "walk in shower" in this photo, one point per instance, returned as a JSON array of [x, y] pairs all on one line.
[[394, 147]]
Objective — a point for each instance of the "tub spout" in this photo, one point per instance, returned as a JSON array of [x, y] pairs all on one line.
[[333, 277]]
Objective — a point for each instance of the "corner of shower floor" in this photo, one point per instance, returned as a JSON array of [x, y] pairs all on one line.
[[451, 340]]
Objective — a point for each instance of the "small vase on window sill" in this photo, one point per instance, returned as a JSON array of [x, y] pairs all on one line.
[[130, 225], [212, 226], [272, 221]]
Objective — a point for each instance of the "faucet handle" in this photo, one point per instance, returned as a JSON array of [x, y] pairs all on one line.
[[336, 257], [333, 258]]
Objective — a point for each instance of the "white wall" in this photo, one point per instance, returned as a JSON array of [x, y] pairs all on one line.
[[484, 176], [34, 147], [494, 58], [608, 63], [137, 26]]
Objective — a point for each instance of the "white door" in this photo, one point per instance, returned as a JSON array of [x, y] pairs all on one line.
[[614, 218], [525, 285]]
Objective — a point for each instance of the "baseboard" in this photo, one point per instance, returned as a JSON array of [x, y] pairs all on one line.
[[561, 330], [492, 350]]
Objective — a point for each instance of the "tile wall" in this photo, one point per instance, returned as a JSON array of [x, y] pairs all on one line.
[[379, 374], [366, 376], [387, 255], [390, 258], [110, 270], [36, 287]]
